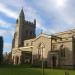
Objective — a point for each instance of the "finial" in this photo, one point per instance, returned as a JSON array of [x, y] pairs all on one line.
[[22, 14], [35, 21], [41, 31]]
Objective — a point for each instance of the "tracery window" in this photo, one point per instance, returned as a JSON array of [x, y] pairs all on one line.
[[62, 50]]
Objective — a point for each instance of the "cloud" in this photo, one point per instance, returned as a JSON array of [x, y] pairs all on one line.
[[7, 47], [6, 28], [8, 12], [60, 12], [3, 32], [6, 25], [51, 15]]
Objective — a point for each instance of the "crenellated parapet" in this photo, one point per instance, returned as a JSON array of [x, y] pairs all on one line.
[[30, 23]]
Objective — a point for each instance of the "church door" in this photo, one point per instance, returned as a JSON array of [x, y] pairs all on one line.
[[17, 59], [26, 57], [54, 61]]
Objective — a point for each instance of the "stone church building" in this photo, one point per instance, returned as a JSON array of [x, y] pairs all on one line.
[[56, 50]]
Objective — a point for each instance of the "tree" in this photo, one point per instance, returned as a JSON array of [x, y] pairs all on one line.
[[1, 49]]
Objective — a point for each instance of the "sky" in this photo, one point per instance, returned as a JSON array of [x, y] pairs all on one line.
[[51, 16]]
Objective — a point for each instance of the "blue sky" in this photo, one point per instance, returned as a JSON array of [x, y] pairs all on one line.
[[51, 15]]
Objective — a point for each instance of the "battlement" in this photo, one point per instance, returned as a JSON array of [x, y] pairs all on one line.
[[29, 23]]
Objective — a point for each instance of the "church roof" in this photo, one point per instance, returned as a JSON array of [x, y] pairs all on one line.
[[44, 35]]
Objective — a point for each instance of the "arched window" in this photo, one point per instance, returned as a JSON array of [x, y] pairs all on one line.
[[54, 47], [39, 51], [62, 50]]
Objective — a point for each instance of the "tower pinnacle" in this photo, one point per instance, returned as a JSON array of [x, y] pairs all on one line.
[[22, 14]]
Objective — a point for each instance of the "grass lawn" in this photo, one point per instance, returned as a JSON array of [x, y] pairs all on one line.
[[32, 71]]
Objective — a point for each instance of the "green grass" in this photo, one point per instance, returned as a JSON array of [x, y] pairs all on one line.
[[32, 71]]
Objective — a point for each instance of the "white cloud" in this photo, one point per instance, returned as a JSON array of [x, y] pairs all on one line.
[[7, 47], [59, 9], [5, 24], [60, 12], [8, 12], [8, 28], [3, 32], [60, 3]]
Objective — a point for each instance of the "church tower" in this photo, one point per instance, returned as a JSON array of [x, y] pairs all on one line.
[[24, 30]]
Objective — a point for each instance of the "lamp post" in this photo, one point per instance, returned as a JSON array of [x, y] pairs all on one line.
[[42, 47]]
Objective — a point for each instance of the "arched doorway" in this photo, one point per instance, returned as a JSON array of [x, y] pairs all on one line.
[[54, 61], [26, 57], [17, 59]]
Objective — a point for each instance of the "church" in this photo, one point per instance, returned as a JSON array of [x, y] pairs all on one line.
[[56, 50]]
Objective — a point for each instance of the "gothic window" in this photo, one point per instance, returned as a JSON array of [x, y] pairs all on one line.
[[54, 47], [62, 51], [39, 51]]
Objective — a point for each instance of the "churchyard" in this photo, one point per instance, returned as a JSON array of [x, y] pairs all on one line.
[[21, 70]]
